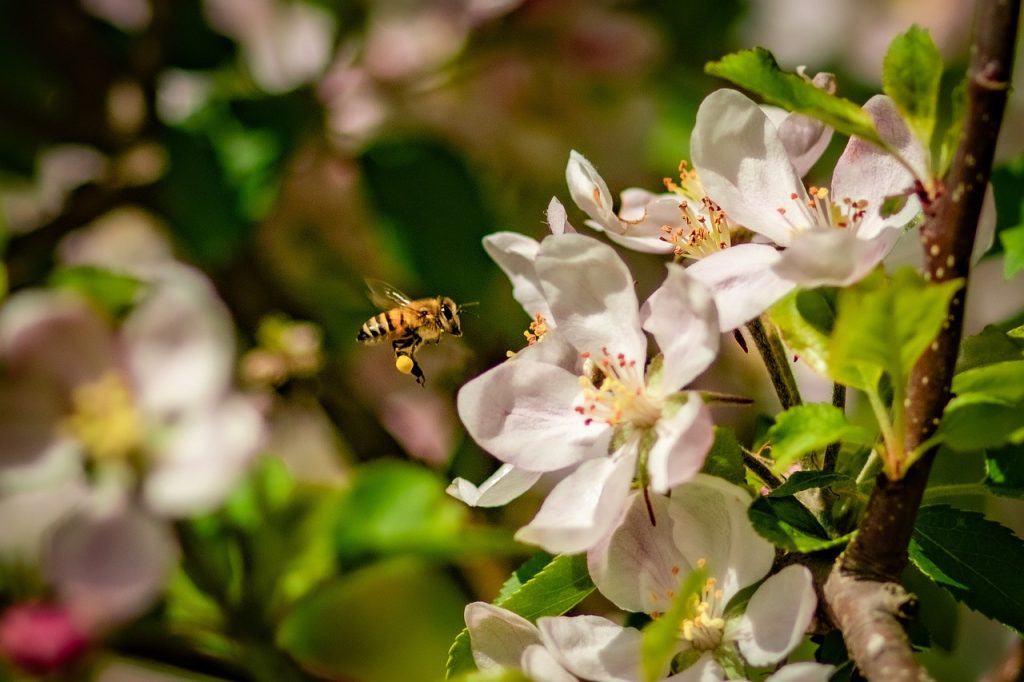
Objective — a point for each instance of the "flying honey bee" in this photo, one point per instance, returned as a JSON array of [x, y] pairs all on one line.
[[408, 324]]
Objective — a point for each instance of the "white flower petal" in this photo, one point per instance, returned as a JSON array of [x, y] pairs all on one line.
[[776, 618], [592, 647], [205, 456], [557, 219], [589, 191], [804, 671], [521, 412], [684, 439], [55, 335], [742, 281], [584, 506], [498, 637], [682, 317], [541, 666], [633, 567], [804, 138], [708, 517], [109, 566], [590, 291], [503, 486], [830, 257], [705, 669], [32, 409], [866, 172], [515, 254], [743, 165], [643, 214], [180, 343], [986, 234]]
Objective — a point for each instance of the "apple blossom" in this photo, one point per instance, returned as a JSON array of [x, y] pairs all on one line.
[[828, 237], [703, 524], [584, 401], [556, 649], [137, 423]]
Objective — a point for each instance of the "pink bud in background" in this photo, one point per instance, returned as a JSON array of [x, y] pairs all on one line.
[[40, 638]]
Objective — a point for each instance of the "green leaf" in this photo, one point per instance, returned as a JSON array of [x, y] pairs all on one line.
[[1012, 240], [387, 622], [113, 292], [805, 428], [806, 318], [951, 137], [661, 637], [787, 524], [911, 76], [976, 422], [562, 584], [756, 70], [990, 346], [1004, 469], [807, 480], [725, 458], [884, 325], [494, 675], [1001, 381], [977, 560], [892, 205], [401, 508], [521, 575]]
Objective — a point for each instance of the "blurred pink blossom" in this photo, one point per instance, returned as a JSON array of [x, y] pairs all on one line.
[[41, 638]]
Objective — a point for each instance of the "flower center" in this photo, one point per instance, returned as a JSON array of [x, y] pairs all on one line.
[[689, 184], [704, 231], [820, 210], [104, 418], [613, 392], [706, 628]]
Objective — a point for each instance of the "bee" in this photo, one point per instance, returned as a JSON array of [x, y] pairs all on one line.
[[408, 324]]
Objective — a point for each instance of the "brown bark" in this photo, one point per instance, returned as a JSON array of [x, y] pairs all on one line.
[[863, 591]]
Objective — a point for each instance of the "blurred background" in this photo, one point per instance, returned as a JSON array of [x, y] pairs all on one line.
[[290, 149]]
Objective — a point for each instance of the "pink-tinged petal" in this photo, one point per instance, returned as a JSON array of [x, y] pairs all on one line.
[[866, 172], [180, 343], [705, 669], [31, 513], [41, 639], [643, 215], [830, 257], [590, 291], [684, 438], [498, 636], [635, 566], [584, 506], [804, 138], [742, 282], [521, 412], [590, 192], [204, 457], [515, 254], [592, 647], [682, 317], [503, 486], [802, 672], [539, 664], [32, 409], [743, 165], [55, 335], [708, 517], [557, 219], [776, 618], [110, 566]]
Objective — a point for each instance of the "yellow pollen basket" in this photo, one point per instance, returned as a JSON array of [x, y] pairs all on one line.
[[104, 418], [404, 364]]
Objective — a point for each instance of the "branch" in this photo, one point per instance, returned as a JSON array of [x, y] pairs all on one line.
[[863, 591]]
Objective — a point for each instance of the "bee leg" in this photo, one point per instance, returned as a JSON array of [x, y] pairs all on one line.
[[406, 347]]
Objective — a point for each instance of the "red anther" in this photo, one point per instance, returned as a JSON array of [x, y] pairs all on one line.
[[794, 196], [781, 211], [588, 421]]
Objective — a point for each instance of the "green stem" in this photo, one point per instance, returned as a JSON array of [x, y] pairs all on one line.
[[832, 451], [760, 469], [769, 345]]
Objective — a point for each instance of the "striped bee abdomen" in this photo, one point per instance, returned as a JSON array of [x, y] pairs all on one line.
[[378, 328]]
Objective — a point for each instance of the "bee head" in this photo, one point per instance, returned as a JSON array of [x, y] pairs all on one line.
[[449, 317]]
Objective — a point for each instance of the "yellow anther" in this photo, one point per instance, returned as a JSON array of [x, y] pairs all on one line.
[[104, 418]]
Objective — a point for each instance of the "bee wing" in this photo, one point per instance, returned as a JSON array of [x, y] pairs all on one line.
[[385, 296]]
